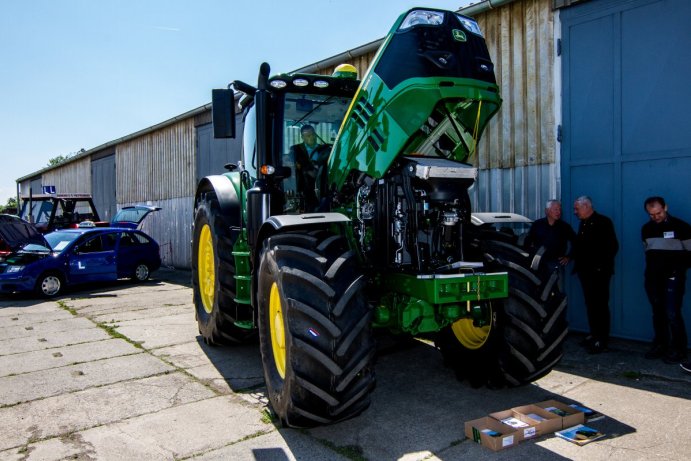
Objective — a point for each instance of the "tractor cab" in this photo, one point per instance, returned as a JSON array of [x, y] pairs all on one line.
[[291, 152], [49, 212]]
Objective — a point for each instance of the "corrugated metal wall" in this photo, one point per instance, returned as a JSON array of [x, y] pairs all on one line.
[[74, 177], [171, 227], [158, 165], [26, 185], [158, 169], [518, 151]]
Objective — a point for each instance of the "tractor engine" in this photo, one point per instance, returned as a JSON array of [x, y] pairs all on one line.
[[411, 220]]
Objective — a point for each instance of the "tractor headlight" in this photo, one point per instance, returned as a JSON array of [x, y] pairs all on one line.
[[470, 24], [14, 269], [422, 18]]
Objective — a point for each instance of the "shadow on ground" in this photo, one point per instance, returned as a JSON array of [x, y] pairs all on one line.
[[418, 406]]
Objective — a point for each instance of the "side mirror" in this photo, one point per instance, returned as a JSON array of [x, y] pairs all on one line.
[[223, 113]]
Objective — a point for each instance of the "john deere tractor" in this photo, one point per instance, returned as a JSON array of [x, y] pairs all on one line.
[[313, 256]]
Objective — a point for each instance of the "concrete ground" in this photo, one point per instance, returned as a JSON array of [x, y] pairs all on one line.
[[118, 372]]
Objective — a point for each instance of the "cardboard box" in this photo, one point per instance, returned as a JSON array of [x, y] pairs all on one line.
[[490, 433], [569, 415], [511, 419], [537, 420], [547, 422]]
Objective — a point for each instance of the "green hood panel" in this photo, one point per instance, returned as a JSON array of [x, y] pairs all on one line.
[[435, 110]]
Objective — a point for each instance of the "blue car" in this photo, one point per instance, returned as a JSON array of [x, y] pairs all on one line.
[[85, 254]]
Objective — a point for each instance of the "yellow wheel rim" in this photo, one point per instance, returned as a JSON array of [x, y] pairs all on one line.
[[470, 336], [278, 333], [206, 269]]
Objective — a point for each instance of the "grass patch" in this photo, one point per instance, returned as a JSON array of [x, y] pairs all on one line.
[[267, 416], [632, 375], [110, 329], [353, 452], [113, 333], [63, 305]]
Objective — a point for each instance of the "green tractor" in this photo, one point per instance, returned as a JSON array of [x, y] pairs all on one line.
[[313, 249]]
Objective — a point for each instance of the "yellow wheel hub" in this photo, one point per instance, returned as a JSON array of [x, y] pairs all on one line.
[[206, 270], [470, 336], [278, 333]]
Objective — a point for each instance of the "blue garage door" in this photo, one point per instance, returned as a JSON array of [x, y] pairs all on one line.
[[627, 132]]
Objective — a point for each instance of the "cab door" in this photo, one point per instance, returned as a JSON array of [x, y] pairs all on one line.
[[95, 259]]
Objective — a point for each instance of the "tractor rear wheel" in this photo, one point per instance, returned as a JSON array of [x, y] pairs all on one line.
[[522, 337], [213, 277], [314, 329]]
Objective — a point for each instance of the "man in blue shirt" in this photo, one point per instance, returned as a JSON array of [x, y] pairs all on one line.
[[554, 235]]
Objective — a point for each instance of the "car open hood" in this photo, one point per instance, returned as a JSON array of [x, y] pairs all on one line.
[[16, 232], [132, 216]]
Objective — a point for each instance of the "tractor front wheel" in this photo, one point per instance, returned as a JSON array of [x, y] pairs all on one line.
[[521, 337], [314, 329]]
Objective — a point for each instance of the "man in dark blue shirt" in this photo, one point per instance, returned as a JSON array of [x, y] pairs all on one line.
[[554, 235], [667, 242]]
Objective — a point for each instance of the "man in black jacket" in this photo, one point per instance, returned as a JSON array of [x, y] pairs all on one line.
[[667, 242], [594, 250], [310, 157]]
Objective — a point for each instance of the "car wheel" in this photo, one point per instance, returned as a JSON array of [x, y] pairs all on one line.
[[49, 284], [141, 272]]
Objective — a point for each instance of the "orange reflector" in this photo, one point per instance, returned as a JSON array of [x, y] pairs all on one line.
[[267, 169]]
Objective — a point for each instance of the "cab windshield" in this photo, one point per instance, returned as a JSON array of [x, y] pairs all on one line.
[[310, 125]]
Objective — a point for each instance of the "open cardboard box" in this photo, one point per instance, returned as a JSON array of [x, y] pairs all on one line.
[[537, 420], [569, 415], [490, 433]]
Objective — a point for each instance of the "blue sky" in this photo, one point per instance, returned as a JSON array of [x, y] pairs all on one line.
[[76, 73]]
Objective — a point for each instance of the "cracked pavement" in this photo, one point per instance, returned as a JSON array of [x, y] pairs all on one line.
[[119, 372]]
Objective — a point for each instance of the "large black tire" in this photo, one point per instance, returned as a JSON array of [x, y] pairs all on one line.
[[213, 281], [525, 333], [314, 329]]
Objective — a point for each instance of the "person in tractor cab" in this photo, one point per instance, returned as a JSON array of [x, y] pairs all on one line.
[[310, 156]]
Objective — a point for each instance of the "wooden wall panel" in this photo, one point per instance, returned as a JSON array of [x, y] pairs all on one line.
[[520, 37]]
